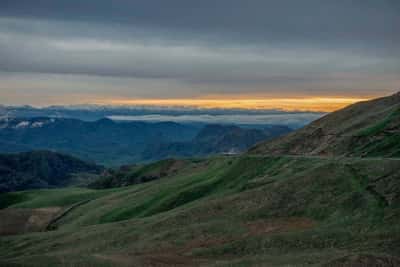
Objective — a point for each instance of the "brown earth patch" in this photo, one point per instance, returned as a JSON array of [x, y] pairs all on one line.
[[365, 261], [120, 259], [154, 259], [279, 225], [204, 243], [19, 221], [180, 256], [168, 260], [165, 256]]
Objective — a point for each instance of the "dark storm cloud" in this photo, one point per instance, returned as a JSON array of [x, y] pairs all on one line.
[[356, 20]]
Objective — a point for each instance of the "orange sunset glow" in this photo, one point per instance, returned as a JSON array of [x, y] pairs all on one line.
[[323, 104]]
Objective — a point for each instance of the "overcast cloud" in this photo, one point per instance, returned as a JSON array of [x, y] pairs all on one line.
[[74, 51]]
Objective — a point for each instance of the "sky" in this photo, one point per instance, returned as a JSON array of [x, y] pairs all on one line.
[[316, 55]]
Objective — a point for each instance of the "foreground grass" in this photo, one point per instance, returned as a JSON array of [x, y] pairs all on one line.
[[50, 197], [225, 211]]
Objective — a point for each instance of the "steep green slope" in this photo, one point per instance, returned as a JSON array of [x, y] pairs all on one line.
[[369, 129], [230, 211]]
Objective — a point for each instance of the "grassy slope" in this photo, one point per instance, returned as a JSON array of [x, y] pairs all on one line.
[[137, 174], [50, 197], [225, 211], [369, 129]]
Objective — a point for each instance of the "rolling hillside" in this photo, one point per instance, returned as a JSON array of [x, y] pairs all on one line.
[[328, 207], [137, 174], [368, 129], [225, 211], [42, 169]]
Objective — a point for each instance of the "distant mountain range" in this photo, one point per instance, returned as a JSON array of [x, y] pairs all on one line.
[[240, 117], [215, 139], [109, 142], [42, 169], [115, 143], [103, 141]]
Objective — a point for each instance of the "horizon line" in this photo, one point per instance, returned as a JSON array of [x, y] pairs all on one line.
[[320, 104]]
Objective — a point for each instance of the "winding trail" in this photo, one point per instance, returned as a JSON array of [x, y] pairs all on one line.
[[52, 224]]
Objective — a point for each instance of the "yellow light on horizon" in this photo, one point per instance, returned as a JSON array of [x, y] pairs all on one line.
[[321, 104]]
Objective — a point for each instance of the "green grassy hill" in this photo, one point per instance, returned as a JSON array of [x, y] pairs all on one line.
[[369, 129], [226, 211]]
